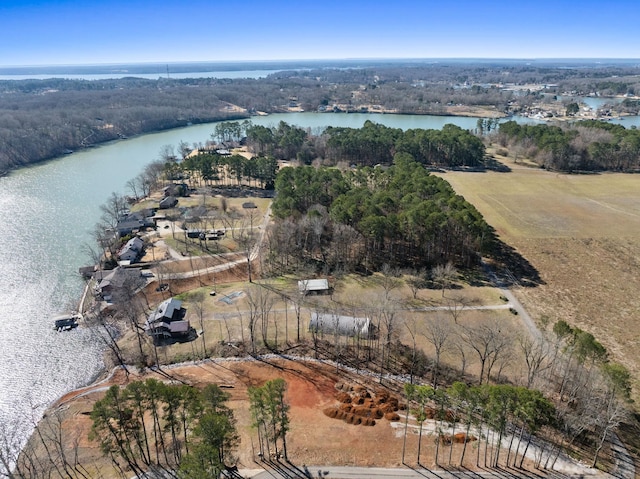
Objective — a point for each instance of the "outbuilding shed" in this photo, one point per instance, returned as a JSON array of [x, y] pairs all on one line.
[[318, 286], [343, 325]]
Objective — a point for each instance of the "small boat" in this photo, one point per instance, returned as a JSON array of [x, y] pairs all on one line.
[[66, 322]]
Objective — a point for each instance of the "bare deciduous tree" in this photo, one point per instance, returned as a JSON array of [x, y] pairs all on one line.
[[112, 209], [488, 341], [260, 301], [456, 305], [437, 332], [389, 280], [415, 279], [444, 275], [536, 356], [198, 305]]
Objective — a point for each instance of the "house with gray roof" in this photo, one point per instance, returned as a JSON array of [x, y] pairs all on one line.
[[168, 202], [110, 284], [133, 222], [132, 250], [167, 321]]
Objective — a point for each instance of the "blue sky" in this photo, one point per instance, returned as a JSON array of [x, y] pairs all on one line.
[[37, 32]]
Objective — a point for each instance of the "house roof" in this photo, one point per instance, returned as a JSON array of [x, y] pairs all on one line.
[[117, 277], [142, 217], [129, 224], [313, 285], [131, 249], [165, 310], [135, 243], [179, 326], [172, 327], [169, 200], [342, 325]]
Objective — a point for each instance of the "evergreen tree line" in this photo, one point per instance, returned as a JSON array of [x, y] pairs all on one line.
[[368, 217], [283, 141], [374, 143], [583, 146], [177, 429]]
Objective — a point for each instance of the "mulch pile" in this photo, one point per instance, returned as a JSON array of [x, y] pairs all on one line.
[[362, 407]]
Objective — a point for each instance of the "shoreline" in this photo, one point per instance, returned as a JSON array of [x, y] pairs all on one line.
[[47, 159], [231, 118], [464, 112]]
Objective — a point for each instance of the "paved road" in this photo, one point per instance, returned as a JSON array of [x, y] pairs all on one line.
[[315, 472]]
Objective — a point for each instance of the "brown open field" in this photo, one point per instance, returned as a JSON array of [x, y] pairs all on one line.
[[582, 234]]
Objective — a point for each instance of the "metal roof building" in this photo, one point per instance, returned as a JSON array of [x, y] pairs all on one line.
[[343, 325], [313, 285]]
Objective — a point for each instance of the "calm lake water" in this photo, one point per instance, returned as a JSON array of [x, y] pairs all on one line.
[[47, 213]]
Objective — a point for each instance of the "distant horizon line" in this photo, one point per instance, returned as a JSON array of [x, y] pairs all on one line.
[[316, 60]]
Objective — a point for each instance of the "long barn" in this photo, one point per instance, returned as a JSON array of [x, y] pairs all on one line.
[[342, 325]]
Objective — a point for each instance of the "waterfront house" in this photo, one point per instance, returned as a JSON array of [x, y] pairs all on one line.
[[133, 222], [168, 202], [167, 321], [132, 250], [118, 283]]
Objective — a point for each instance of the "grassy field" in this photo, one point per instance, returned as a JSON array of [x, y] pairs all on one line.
[[581, 233]]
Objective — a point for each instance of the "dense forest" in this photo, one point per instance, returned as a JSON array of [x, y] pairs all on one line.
[[373, 143], [582, 146], [41, 119], [401, 216]]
